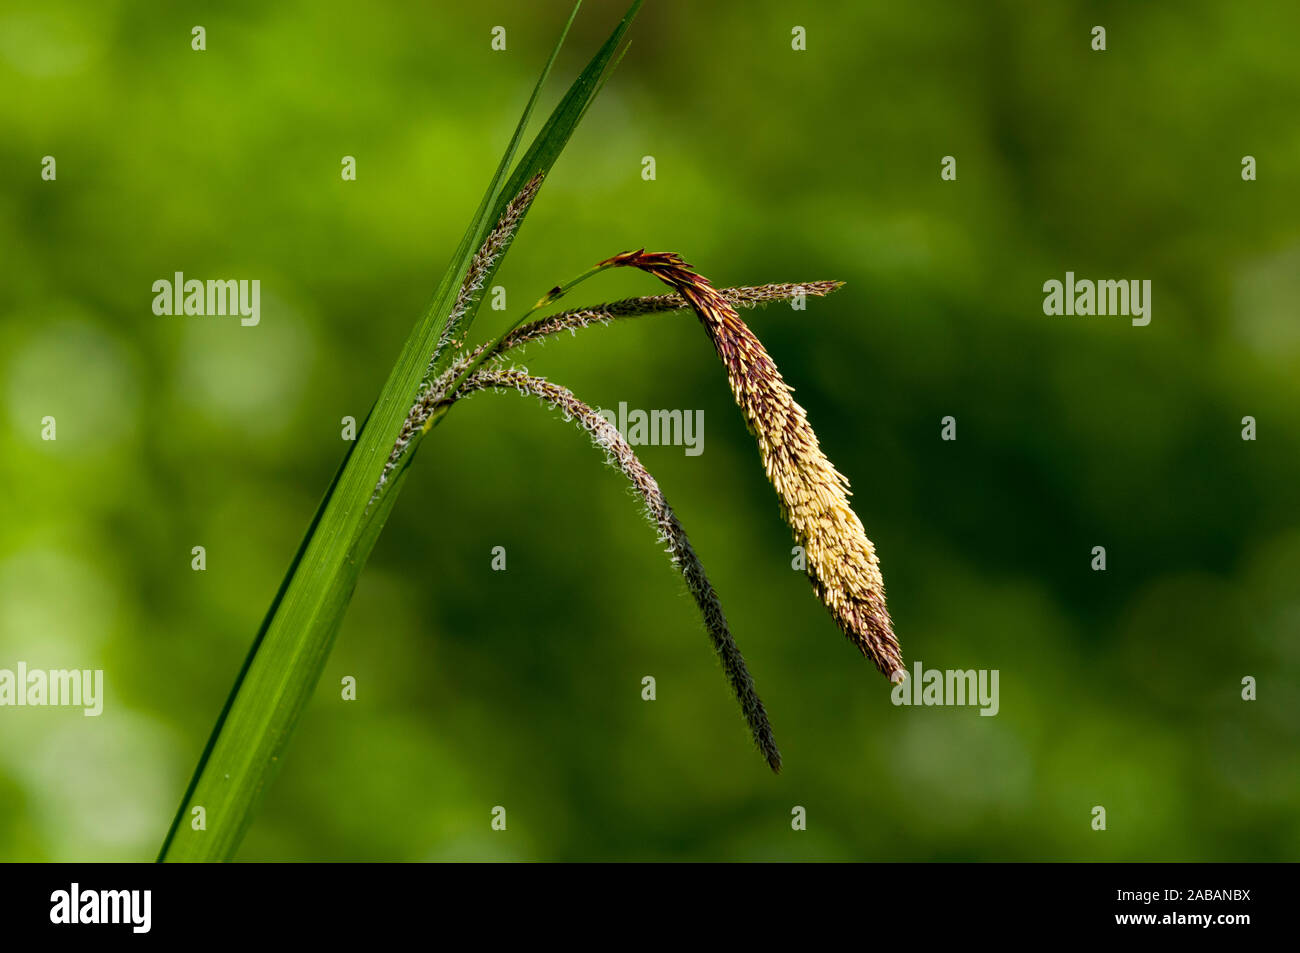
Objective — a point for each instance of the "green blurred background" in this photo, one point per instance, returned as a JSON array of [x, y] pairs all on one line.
[[523, 688]]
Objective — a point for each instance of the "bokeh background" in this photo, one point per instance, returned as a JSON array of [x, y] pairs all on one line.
[[523, 688]]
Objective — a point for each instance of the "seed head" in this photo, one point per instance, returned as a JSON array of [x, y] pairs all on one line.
[[842, 563]]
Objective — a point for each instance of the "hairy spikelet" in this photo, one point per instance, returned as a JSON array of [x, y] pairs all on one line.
[[670, 530], [750, 297], [480, 266], [814, 495]]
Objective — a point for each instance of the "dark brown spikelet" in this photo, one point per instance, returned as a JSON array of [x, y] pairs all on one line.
[[814, 495], [679, 545]]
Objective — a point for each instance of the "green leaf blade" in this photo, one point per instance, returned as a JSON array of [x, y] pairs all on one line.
[[289, 654]]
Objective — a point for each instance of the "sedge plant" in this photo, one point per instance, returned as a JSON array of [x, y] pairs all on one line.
[[434, 371]]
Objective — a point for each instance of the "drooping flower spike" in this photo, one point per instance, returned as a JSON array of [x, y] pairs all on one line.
[[680, 551], [841, 560], [814, 496]]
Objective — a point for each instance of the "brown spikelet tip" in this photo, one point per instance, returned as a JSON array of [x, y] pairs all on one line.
[[842, 563]]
